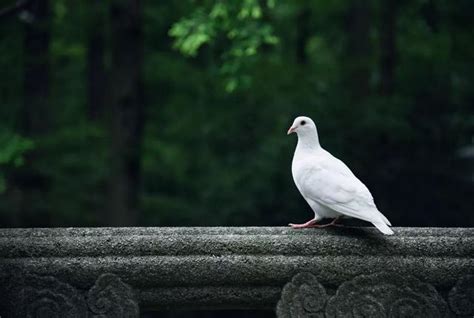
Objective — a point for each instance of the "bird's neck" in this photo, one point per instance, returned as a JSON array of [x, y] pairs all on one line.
[[308, 141]]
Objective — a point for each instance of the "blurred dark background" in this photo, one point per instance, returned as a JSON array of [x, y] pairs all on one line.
[[169, 113]]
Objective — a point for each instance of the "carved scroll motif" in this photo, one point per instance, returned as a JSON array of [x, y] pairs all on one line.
[[111, 297], [34, 296], [377, 295], [386, 295], [46, 296], [461, 297], [303, 297]]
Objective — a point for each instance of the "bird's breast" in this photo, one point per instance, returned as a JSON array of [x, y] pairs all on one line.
[[302, 169]]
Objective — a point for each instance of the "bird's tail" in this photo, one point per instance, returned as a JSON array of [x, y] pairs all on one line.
[[382, 227], [386, 221]]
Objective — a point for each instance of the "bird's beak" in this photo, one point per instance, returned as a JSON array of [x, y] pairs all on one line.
[[291, 130]]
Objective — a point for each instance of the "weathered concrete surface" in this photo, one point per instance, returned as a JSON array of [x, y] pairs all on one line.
[[219, 267]]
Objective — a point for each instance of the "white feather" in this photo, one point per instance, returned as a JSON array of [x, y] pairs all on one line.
[[327, 184]]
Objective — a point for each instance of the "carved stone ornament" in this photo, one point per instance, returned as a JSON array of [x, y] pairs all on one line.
[[461, 297], [111, 297], [377, 295], [303, 297], [386, 295], [33, 296], [47, 297]]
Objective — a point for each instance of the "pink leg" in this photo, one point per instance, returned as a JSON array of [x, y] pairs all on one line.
[[333, 222], [310, 223]]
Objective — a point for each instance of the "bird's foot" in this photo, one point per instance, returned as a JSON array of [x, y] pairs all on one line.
[[332, 223], [310, 223], [328, 225]]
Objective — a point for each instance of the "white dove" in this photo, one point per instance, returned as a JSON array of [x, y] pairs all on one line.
[[327, 184]]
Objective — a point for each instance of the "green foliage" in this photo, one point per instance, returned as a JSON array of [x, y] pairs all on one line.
[[13, 147], [75, 159], [213, 158], [240, 26]]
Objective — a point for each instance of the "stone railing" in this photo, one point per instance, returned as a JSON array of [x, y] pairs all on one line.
[[339, 272]]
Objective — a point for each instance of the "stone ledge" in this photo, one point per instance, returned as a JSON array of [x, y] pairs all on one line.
[[233, 268]]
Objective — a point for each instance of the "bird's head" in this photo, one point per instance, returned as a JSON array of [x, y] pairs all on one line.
[[302, 125]]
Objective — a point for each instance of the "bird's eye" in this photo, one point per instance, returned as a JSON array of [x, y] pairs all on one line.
[[303, 123]]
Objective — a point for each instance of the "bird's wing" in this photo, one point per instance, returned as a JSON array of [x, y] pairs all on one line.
[[334, 185]]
